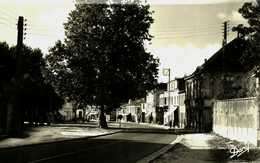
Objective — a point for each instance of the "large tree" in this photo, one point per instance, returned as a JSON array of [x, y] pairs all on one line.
[[37, 95], [7, 71], [33, 98], [103, 60]]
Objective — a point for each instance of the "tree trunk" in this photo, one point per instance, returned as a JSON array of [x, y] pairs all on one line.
[[15, 117], [84, 114], [102, 118], [75, 115]]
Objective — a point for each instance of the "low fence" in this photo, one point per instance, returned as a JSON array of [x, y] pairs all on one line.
[[236, 119]]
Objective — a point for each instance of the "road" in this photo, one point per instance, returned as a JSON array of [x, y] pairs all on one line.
[[127, 146]]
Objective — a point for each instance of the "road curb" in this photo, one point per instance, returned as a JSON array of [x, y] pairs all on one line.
[[59, 141], [163, 150]]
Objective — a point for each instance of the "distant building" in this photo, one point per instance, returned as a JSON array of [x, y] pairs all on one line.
[[150, 107], [87, 113], [67, 112], [132, 111], [173, 100], [145, 110], [152, 110]]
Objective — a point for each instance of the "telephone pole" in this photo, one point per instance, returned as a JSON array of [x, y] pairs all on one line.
[[225, 32], [15, 110], [167, 72], [20, 27], [169, 89]]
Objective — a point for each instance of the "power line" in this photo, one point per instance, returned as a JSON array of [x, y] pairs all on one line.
[[189, 32], [185, 26], [7, 20], [189, 36], [192, 29], [8, 14], [33, 31], [37, 27], [185, 32], [43, 31], [41, 35], [7, 25], [13, 21]]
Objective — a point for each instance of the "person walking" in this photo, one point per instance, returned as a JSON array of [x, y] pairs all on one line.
[[170, 124]]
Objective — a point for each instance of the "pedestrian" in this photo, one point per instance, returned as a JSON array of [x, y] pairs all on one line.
[[170, 124], [151, 118]]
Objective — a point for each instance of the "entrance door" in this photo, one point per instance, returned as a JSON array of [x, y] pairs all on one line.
[[80, 114], [176, 118]]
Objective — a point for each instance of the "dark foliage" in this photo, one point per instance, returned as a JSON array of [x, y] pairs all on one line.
[[37, 98], [251, 12]]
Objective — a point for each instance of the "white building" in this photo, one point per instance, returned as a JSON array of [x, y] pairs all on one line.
[[150, 107], [173, 99], [89, 112], [132, 111]]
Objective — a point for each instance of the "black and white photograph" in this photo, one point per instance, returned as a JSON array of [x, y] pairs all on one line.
[[129, 81]]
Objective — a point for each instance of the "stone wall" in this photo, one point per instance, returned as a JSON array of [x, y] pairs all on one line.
[[236, 119]]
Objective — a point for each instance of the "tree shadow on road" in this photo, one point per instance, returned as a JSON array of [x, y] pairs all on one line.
[[123, 148]]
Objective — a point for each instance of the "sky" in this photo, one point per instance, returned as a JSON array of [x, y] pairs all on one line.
[[186, 32]]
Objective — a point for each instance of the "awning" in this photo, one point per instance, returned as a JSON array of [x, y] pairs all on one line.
[[63, 113], [171, 110]]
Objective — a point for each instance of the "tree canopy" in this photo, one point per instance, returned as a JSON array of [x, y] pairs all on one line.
[[251, 12], [36, 96], [103, 60]]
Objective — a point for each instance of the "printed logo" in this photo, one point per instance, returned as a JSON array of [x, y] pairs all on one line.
[[237, 151]]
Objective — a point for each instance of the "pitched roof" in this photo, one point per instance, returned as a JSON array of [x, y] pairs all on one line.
[[225, 59]]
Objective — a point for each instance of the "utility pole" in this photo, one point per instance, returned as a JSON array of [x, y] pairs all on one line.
[[169, 94], [169, 89], [225, 32], [20, 27], [15, 113], [167, 72]]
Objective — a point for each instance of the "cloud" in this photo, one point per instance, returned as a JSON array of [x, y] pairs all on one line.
[[33, 2], [235, 17], [222, 16], [154, 2], [182, 59], [191, 2]]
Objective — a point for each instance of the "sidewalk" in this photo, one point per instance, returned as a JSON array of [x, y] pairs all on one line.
[[202, 148], [143, 125], [55, 133]]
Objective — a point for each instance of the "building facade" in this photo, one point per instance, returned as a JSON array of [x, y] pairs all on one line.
[[220, 77], [150, 106], [173, 99], [132, 111], [145, 110], [71, 114]]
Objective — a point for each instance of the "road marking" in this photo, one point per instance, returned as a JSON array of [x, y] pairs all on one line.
[[161, 151]]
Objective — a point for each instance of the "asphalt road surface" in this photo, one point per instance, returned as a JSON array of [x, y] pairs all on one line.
[[128, 146]]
